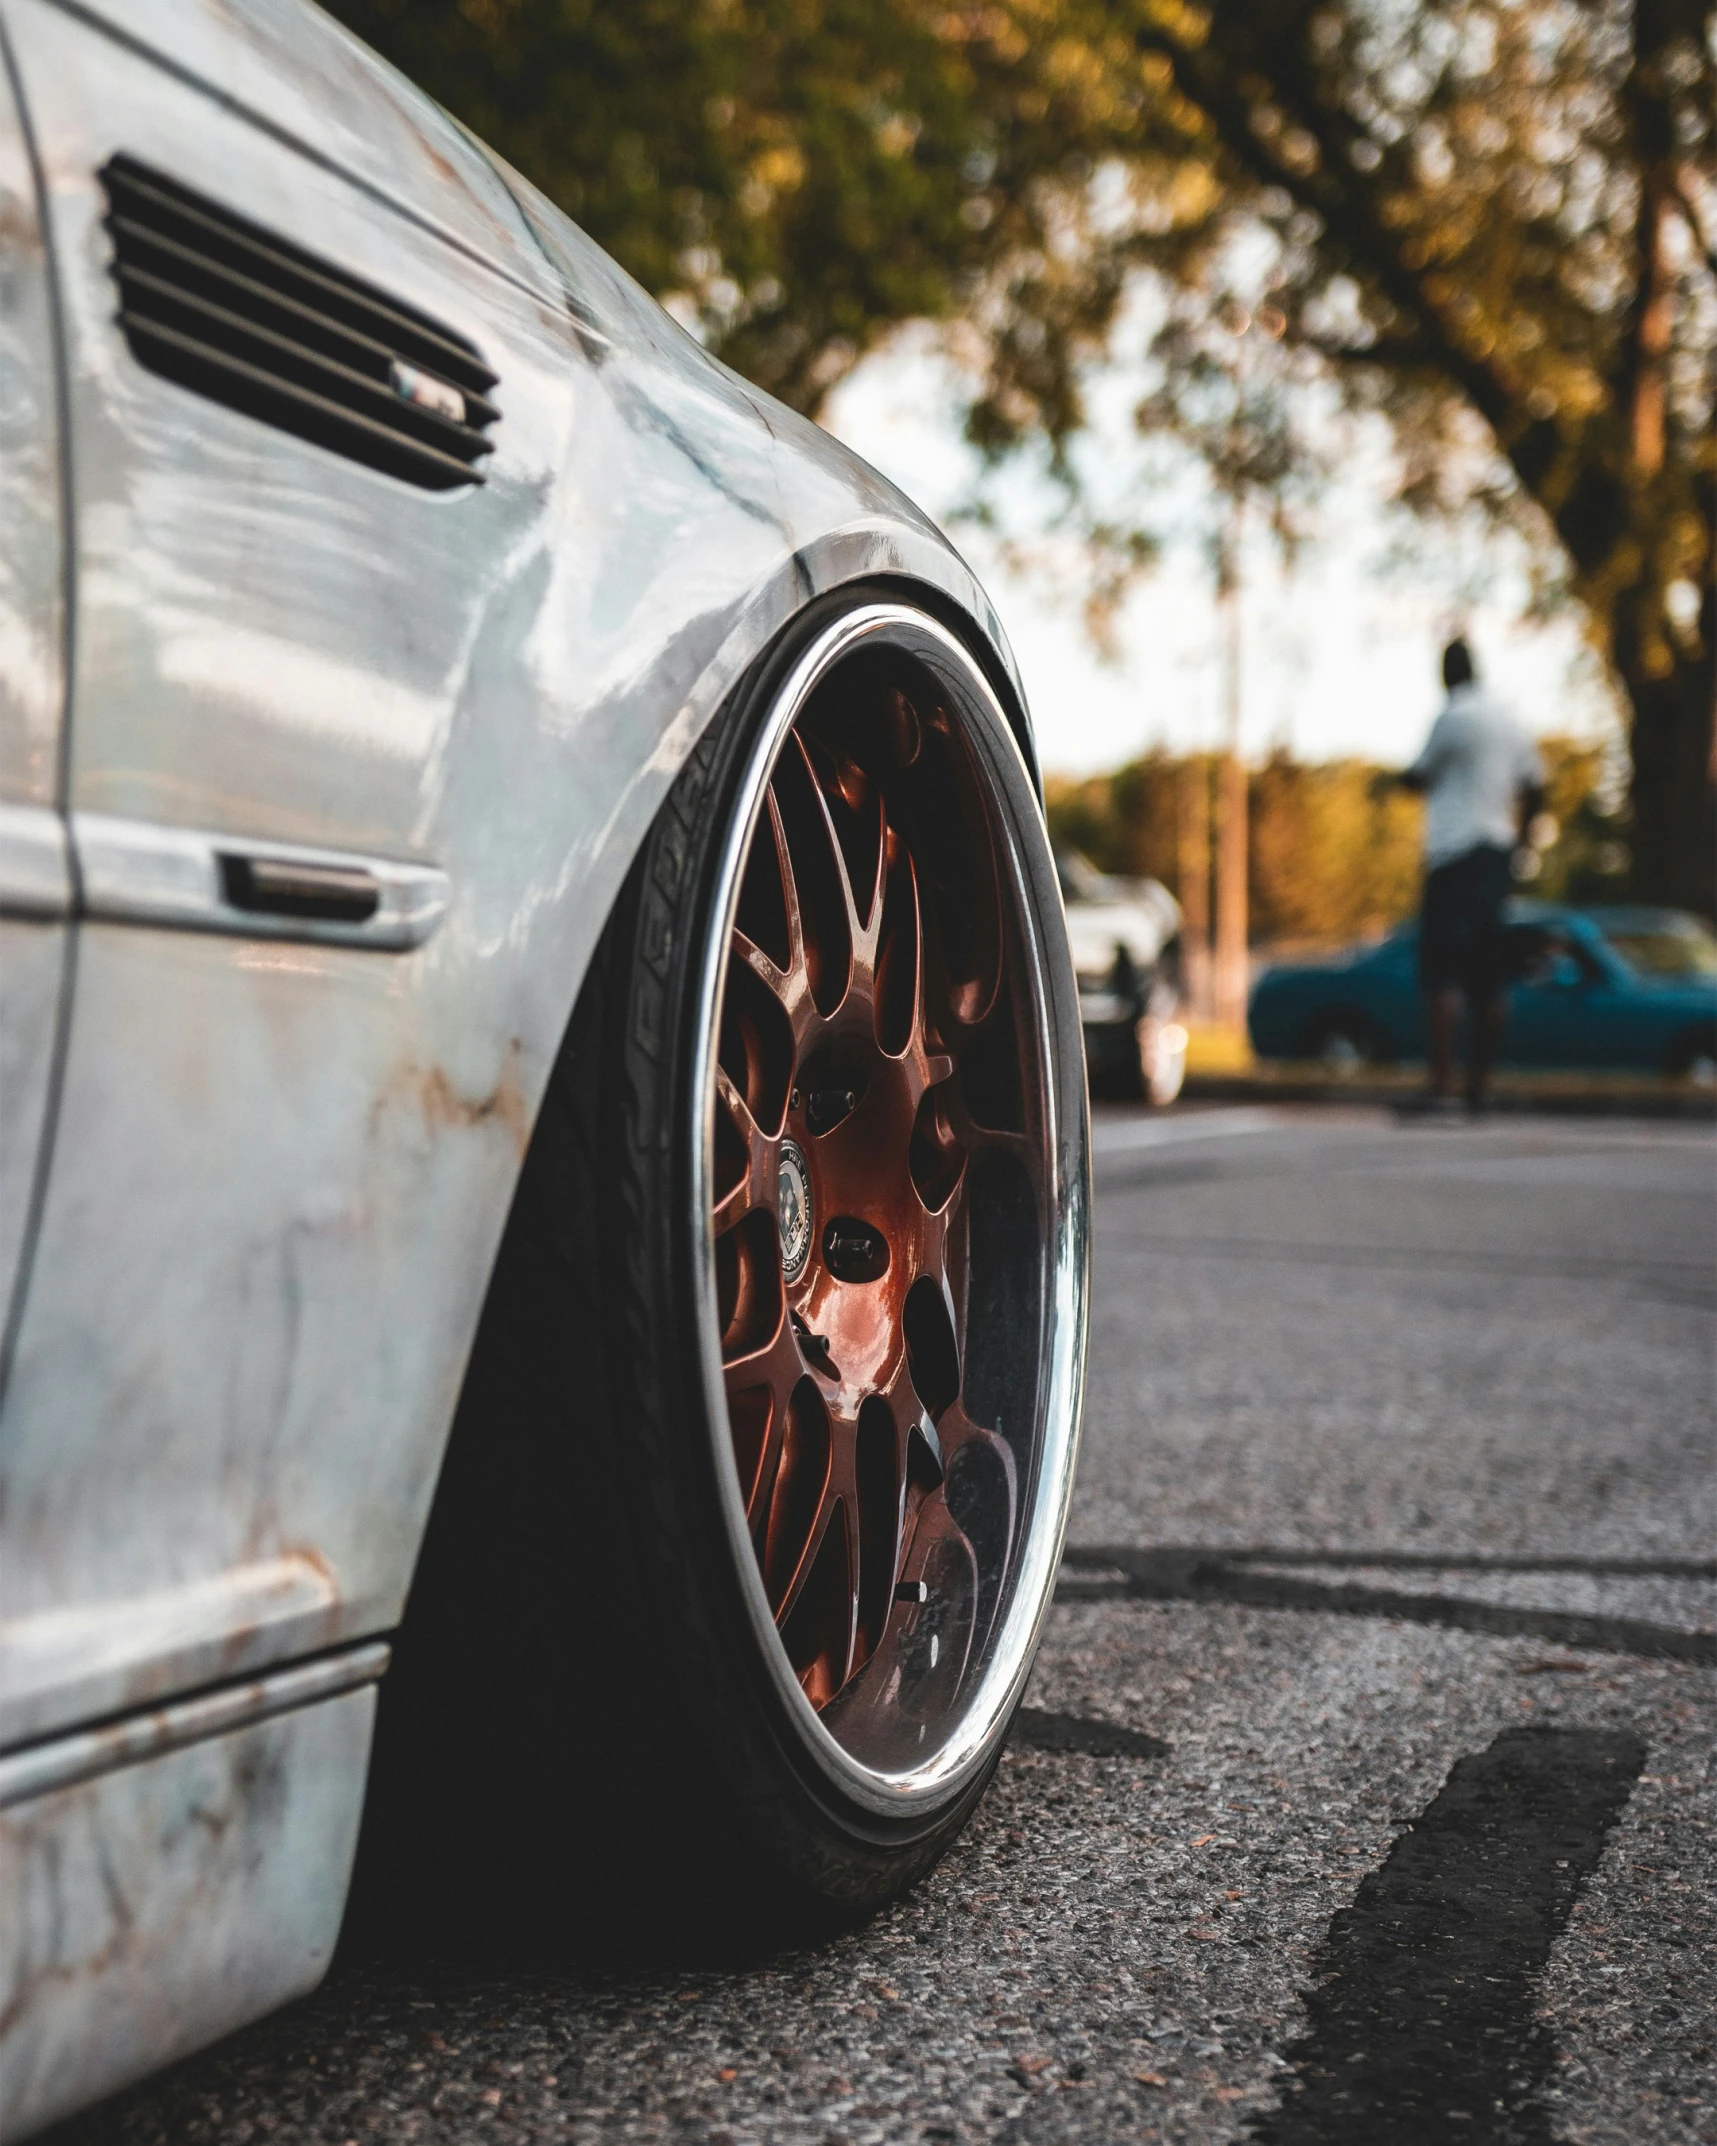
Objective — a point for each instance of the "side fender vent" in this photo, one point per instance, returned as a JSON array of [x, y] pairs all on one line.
[[236, 313]]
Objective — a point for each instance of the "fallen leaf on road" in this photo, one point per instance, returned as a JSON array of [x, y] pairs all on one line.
[[1150, 2078], [1204, 1840], [1031, 2066], [728, 2076]]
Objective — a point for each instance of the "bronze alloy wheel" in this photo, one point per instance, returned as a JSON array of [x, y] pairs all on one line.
[[882, 1188], [753, 1506]]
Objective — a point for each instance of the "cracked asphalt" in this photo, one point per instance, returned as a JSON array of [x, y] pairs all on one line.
[[1393, 1551]]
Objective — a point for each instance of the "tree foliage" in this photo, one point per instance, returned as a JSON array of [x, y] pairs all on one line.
[[1493, 220], [1501, 209], [799, 176], [1329, 861]]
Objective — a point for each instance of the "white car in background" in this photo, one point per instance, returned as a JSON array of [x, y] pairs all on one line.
[[541, 1074], [1125, 939]]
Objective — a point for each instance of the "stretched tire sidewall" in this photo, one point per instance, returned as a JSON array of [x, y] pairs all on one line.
[[587, 1736], [840, 1853]]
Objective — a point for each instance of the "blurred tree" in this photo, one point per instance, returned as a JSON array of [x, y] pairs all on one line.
[[1587, 859], [1080, 818], [1501, 210], [1508, 209], [1329, 862], [1243, 421], [797, 176]]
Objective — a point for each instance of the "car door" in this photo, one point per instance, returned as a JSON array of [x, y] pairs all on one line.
[[1383, 987], [293, 1102], [34, 881], [1569, 1011]]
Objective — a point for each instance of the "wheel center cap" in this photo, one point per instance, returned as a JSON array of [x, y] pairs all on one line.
[[794, 1210]]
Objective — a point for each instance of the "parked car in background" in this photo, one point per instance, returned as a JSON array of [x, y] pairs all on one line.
[[1125, 938], [1601, 989], [539, 1072]]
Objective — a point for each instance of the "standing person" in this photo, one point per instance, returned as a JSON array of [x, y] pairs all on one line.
[[1483, 784]]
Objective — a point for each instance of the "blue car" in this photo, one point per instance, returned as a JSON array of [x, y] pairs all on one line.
[[1619, 989]]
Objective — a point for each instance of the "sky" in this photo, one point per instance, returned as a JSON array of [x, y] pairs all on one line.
[[1339, 655]]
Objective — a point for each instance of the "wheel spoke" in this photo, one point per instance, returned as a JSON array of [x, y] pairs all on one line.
[[967, 943], [760, 1388], [788, 1600], [982, 1494], [757, 1184], [850, 1521], [833, 858], [867, 929], [768, 973], [895, 959], [845, 790], [930, 1626], [789, 885], [954, 1429], [882, 1516], [971, 1134], [821, 904]]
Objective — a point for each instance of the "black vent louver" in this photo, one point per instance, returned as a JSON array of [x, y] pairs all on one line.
[[220, 305]]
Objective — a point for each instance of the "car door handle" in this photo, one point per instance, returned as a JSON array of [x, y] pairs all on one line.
[[290, 887], [141, 872]]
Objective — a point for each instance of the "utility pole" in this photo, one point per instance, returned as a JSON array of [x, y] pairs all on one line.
[[1192, 851], [1232, 979]]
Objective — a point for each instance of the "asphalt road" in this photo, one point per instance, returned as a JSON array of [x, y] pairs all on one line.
[[1366, 1793]]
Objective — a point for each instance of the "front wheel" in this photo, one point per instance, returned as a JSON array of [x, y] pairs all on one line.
[[1162, 1046], [1693, 1058], [1344, 1044], [766, 1448]]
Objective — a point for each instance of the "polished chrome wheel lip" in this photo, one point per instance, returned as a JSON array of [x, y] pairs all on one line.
[[1024, 846]]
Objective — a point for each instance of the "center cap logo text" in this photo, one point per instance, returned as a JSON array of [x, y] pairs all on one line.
[[794, 1210]]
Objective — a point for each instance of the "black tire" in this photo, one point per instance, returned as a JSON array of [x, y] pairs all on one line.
[[1692, 1056], [1160, 1042], [1344, 1041], [584, 1740]]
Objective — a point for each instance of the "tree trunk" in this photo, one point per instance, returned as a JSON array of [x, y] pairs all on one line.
[[1672, 790], [1193, 868], [1231, 965]]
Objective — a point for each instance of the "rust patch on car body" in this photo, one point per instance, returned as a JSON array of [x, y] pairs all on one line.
[[444, 1106]]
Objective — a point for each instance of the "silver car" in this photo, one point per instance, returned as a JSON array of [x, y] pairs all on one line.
[[1125, 939], [544, 1122]]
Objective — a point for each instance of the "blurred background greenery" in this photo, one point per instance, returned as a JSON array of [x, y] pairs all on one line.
[[1327, 860], [1491, 222]]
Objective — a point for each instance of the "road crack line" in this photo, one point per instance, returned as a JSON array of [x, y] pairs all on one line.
[[1194, 1575]]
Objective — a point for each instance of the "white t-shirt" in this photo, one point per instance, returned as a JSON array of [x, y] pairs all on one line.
[[1476, 762]]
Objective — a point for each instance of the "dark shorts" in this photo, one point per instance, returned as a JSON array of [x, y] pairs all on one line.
[[1462, 942]]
